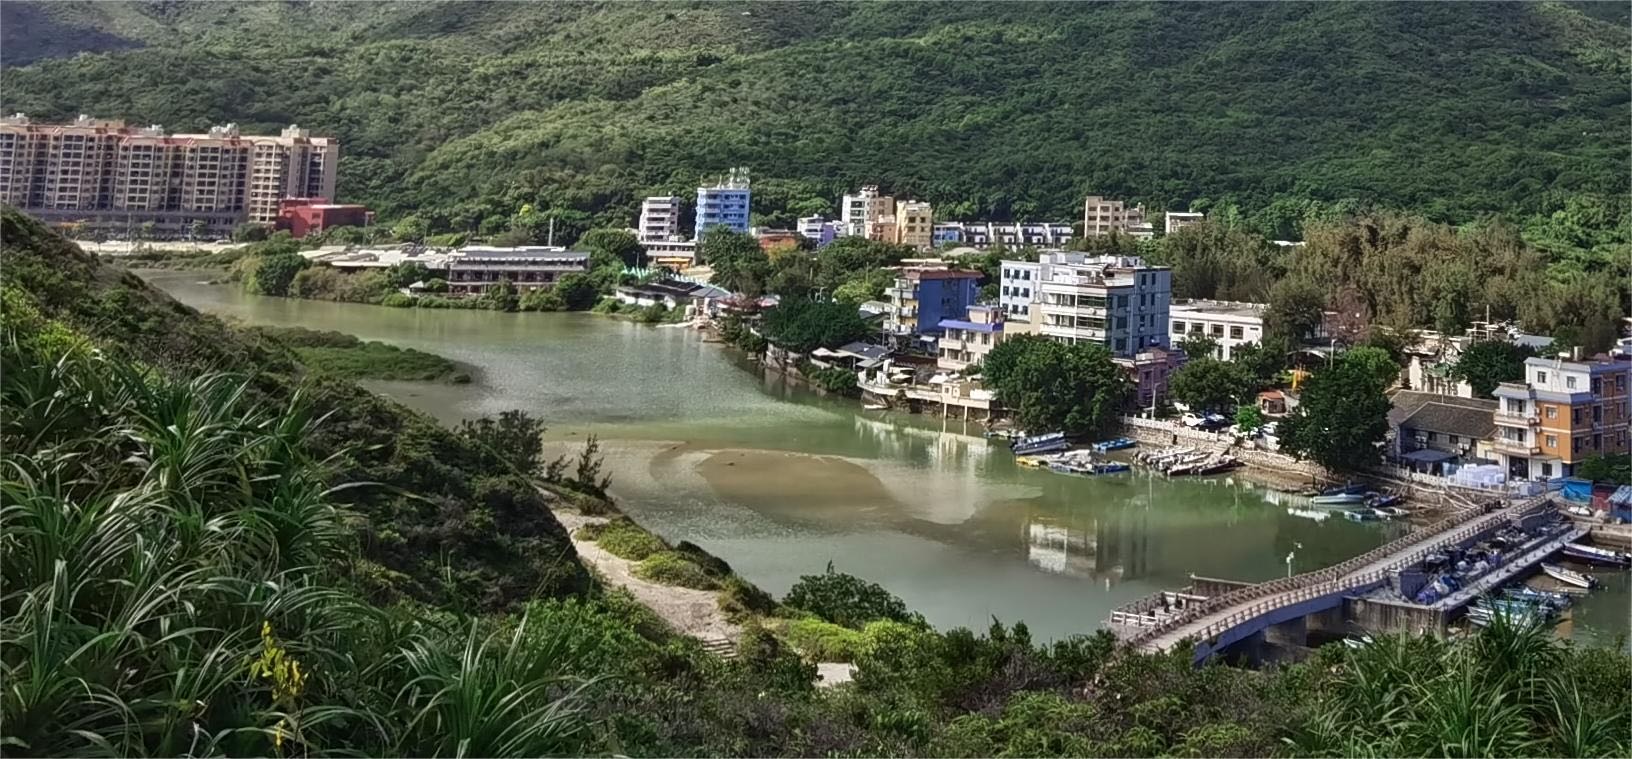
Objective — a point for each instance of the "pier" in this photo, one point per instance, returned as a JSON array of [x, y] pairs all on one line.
[[1216, 616]]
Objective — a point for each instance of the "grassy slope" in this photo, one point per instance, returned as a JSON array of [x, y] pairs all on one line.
[[1019, 109], [445, 524]]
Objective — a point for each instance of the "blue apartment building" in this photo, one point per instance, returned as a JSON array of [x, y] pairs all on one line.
[[726, 204]]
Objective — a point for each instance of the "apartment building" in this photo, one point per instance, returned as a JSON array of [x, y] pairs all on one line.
[[1230, 324], [1116, 301], [819, 229], [674, 254], [1016, 288], [984, 235], [855, 210], [924, 296], [1102, 216], [104, 173], [1563, 412], [660, 219], [726, 204], [915, 224], [1177, 220], [968, 340]]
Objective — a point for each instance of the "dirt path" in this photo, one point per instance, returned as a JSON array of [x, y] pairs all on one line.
[[690, 612]]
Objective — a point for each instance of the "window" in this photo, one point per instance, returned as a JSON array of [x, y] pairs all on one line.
[[1552, 412], [1235, 333], [1552, 441], [1569, 382], [1597, 442], [1453, 440], [1218, 330], [1431, 437], [1547, 470], [1178, 328], [1541, 378]]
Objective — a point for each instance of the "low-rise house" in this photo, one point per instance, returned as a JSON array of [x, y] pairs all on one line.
[[671, 294], [1150, 370], [853, 356], [1229, 324], [1273, 403], [673, 254], [1433, 433], [474, 269], [967, 341]]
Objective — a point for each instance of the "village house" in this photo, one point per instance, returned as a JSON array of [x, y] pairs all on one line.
[[1434, 433]]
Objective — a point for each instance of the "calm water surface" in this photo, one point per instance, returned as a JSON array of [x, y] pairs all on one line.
[[779, 482]]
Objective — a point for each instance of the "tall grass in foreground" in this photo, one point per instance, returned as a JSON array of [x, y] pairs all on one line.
[[174, 584]]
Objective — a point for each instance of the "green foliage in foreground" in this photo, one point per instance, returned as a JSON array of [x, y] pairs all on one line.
[[344, 355], [624, 539]]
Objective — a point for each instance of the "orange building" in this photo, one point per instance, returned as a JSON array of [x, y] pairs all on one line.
[[1563, 412]]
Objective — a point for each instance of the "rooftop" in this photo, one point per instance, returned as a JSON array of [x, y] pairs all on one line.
[[1596, 364], [1220, 307], [1432, 412]]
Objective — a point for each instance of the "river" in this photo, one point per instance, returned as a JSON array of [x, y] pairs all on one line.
[[779, 482]]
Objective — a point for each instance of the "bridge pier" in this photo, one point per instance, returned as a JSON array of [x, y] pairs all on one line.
[[1293, 633]]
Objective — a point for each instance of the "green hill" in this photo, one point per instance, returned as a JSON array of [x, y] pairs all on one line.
[[467, 111]]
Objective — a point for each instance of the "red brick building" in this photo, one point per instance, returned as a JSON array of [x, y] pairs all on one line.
[[303, 216]]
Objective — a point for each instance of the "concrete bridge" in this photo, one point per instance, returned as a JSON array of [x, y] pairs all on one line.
[[1217, 622]]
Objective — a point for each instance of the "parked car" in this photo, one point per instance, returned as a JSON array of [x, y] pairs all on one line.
[[1192, 420]]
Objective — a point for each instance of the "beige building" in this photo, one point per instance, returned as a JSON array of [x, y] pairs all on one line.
[[967, 341], [1103, 216], [119, 177], [915, 224]]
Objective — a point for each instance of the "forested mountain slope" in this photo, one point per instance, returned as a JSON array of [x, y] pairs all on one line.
[[467, 111]]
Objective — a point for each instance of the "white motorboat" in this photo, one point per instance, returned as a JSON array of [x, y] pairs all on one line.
[[1568, 576]]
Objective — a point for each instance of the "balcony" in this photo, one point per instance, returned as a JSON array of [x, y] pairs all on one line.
[[1515, 419], [1515, 447]]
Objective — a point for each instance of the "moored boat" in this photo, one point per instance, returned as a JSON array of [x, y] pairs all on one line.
[[1597, 555], [1114, 444], [1338, 499], [1053, 441], [1568, 576]]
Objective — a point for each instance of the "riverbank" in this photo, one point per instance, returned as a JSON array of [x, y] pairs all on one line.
[[349, 357]]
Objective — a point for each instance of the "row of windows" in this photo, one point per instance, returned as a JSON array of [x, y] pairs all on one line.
[[1196, 328]]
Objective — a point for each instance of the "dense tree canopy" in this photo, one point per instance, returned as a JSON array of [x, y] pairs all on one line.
[[1208, 384], [1050, 385], [1487, 363], [804, 325], [1341, 418]]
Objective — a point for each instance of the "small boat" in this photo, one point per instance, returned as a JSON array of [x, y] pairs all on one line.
[[1053, 441], [1338, 499], [1361, 515], [1393, 512], [1568, 576], [1032, 462], [1350, 489], [1108, 467], [1384, 499], [1114, 444], [873, 406], [1357, 642], [1597, 555]]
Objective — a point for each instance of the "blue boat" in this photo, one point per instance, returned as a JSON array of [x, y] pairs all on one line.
[[1053, 441], [1114, 444]]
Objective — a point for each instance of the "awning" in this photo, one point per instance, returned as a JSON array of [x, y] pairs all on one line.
[[1428, 456]]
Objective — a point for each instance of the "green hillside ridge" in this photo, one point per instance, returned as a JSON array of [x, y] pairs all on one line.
[[465, 112]]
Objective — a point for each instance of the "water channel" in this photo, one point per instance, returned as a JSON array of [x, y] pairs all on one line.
[[779, 481]]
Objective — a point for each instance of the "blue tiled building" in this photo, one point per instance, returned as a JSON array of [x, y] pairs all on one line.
[[724, 205]]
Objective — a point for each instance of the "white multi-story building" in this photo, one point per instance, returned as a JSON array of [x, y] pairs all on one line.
[[660, 219], [1102, 216], [1016, 288], [1116, 301], [1228, 323], [1177, 220], [984, 235], [855, 210]]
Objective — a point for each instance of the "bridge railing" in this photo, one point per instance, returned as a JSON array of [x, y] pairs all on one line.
[[1319, 580]]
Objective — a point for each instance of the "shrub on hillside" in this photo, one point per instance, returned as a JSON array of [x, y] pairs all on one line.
[[627, 540], [820, 640], [671, 568], [846, 600]]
